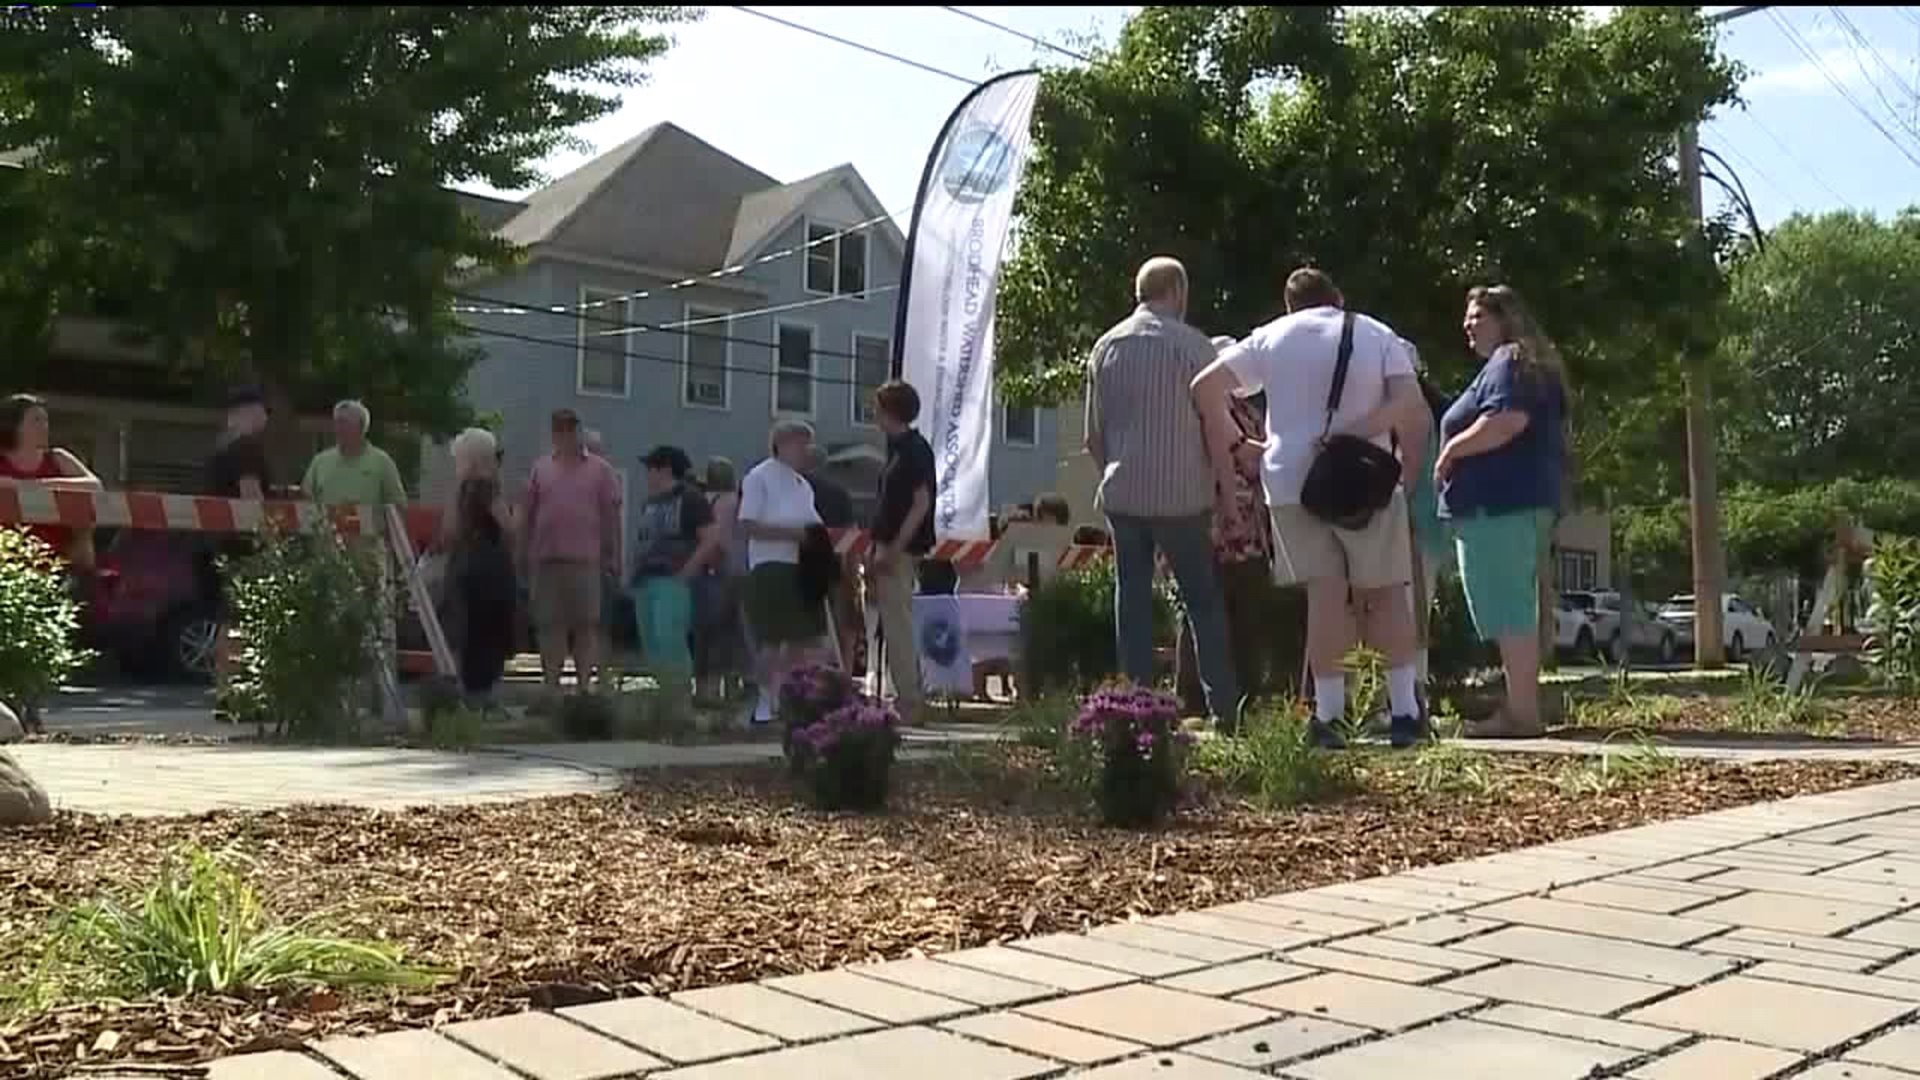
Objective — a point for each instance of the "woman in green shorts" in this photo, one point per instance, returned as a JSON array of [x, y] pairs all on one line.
[[776, 506], [1503, 443]]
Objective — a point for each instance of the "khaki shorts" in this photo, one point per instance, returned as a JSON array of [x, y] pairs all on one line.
[[1306, 549], [565, 597]]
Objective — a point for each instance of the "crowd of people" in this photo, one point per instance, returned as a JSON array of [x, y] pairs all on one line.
[[1313, 451], [1310, 453]]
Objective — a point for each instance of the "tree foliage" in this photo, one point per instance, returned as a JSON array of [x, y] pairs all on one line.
[[1823, 352], [1766, 531], [1413, 155], [263, 190]]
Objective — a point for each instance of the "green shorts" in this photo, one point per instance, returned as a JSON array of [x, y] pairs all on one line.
[[774, 611], [1499, 557]]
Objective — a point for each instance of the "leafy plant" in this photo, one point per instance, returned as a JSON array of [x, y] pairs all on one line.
[[1610, 770], [1366, 690], [1449, 768], [1135, 738], [1067, 639], [202, 928], [1454, 650], [39, 620], [1893, 615], [303, 607], [1275, 763], [1622, 707], [1042, 722], [1765, 705], [805, 697]]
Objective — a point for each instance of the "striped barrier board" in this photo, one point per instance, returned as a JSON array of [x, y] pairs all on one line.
[[34, 504]]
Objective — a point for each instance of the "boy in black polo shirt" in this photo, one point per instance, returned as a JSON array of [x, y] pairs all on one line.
[[902, 534]]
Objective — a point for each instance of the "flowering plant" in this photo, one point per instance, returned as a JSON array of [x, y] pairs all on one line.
[[1139, 747], [842, 741]]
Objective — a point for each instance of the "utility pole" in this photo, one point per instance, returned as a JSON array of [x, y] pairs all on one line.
[[1703, 483]]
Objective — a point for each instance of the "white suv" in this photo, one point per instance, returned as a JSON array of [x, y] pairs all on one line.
[[1742, 627]]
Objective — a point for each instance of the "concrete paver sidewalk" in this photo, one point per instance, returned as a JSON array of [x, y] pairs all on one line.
[[1729, 946]]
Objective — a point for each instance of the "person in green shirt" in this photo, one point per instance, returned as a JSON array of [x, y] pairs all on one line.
[[354, 472]]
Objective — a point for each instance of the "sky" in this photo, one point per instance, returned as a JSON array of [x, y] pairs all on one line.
[[792, 104]]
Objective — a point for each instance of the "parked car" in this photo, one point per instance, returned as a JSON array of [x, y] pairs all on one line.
[[1574, 632], [1742, 628], [1650, 635], [145, 610]]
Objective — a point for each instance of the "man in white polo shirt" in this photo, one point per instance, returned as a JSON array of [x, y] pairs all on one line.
[[1293, 359]]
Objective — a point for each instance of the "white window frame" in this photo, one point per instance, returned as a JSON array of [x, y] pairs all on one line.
[[690, 312], [1006, 429], [587, 323], [813, 369], [857, 392], [866, 267]]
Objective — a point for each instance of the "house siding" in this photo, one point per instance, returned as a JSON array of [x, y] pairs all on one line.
[[525, 381]]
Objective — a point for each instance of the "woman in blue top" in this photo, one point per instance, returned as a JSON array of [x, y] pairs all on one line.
[[1499, 470]]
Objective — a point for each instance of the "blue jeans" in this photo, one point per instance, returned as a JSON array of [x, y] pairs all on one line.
[[1189, 547]]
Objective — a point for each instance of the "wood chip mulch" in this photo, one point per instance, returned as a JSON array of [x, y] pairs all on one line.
[[709, 876]]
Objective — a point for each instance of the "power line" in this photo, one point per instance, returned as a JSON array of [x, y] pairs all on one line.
[[851, 44], [1794, 38], [579, 347], [1763, 174], [1021, 34], [711, 275], [1872, 83], [622, 328], [1798, 160]]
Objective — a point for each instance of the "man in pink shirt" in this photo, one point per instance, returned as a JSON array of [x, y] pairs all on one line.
[[573, 538]]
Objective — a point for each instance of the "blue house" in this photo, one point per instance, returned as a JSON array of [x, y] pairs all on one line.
[[674, 294]]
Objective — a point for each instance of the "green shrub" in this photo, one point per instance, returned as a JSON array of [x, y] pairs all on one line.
[[1067, 631], [39, 620], [1139, 751], [1274, 762], [588, 717], [305, 610], [1041, 722], [202, 928], [1893, 616]]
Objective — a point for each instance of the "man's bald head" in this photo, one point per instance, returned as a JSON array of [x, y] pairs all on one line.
[[1162, 284]]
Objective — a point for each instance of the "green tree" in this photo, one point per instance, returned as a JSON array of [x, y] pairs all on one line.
[[1413, 155], [264, 189], [1824, 352]]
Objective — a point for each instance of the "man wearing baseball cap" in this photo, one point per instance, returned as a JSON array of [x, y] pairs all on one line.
[[237, 469]]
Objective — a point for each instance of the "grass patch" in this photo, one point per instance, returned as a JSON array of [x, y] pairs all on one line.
[[202, 928], [1443, 768], [1613, 770]]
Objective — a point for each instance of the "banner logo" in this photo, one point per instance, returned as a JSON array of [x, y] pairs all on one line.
[[979, 163]]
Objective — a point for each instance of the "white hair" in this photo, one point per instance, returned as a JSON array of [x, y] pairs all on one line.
[[359, 412], [787, 429], [473, 449]]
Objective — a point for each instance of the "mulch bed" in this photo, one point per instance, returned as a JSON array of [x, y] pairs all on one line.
[[708, 876]]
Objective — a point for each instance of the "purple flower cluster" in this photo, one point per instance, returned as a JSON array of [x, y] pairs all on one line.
[[860, 719], [1129, 715], [816, 686]]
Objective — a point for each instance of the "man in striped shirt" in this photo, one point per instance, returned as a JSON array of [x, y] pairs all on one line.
[[1156, 485]]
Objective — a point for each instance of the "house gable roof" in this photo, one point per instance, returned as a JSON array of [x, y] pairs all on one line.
[[766, 214], [662, 198]]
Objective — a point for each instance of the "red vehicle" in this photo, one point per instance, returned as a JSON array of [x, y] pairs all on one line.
[[146, 610]]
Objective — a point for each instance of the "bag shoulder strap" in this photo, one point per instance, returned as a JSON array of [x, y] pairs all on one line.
[[1340, 361]]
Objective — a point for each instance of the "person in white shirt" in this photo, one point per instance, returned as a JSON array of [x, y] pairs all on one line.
[[1293, 359], [776, 507]]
